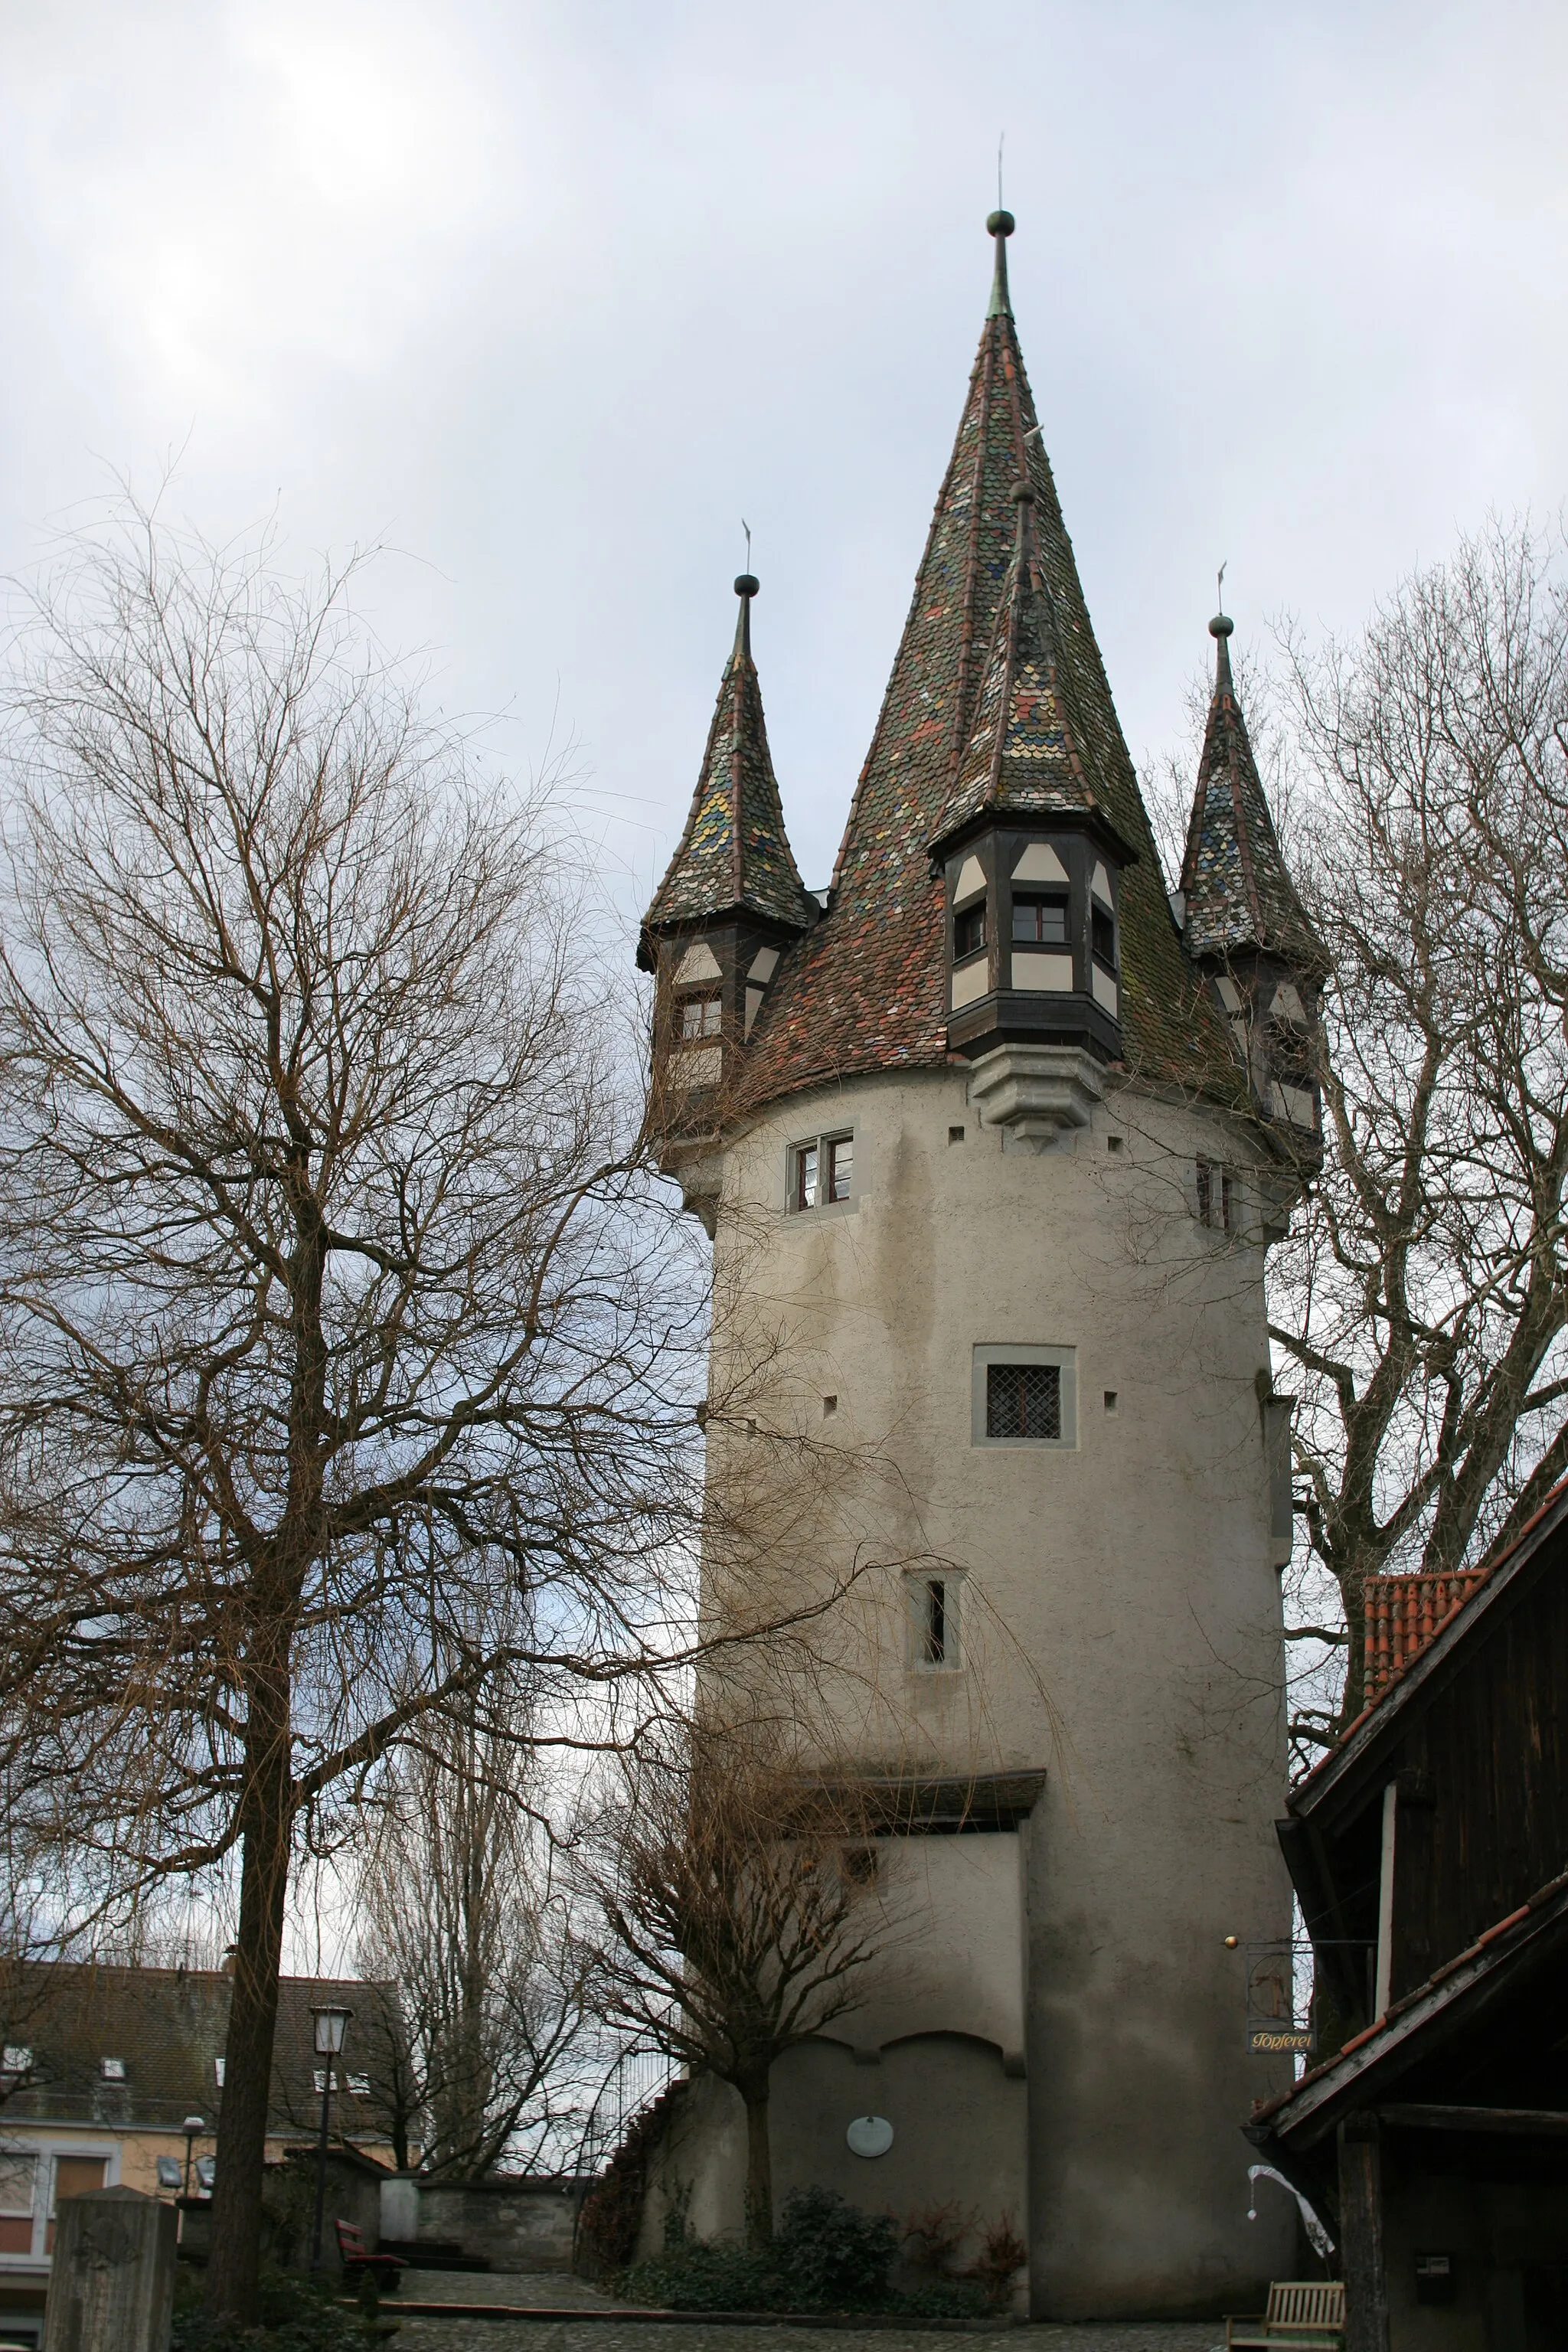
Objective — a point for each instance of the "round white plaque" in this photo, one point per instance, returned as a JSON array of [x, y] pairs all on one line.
[[869, 2136]]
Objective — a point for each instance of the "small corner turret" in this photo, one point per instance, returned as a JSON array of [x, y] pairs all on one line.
[[1244, 924], [730, 905]]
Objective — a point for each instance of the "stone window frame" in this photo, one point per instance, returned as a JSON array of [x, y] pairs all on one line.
[[919, 1586], [1216, 1204], [988, 1352], [846, 1131]]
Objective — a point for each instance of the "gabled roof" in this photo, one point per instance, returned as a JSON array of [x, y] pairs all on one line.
[[868, 989], [734, 852], [1237, 889], [1429, 1656], [1024, 757], [165, 2029], [1403, 1614]]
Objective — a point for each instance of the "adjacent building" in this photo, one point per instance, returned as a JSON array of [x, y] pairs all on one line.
[[1430, 1855], [118, 2081]]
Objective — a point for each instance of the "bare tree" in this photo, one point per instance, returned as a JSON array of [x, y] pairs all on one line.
[[743, 1915], [464, 1912], [1423, 1292], [333, 1292]]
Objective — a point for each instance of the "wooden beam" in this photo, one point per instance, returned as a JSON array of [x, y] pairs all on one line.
[[1409, 2117], [1361, 2234]]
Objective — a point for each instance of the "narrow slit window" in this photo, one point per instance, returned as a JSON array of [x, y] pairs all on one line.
[[969, 931], [934, 1620], [1024, 1401], [1216, 1196], [1040, 922]]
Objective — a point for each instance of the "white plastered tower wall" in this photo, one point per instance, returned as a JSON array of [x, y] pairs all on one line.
[[1119, 1629]]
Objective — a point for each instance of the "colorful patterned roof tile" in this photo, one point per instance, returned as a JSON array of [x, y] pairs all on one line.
[[867, 989], [734, 851], [1023, 758], [1237, 890]]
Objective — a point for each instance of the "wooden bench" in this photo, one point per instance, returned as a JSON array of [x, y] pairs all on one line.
[[385, 2269], [1306, 2314]]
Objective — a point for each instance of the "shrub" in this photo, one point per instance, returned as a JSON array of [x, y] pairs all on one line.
[[1001, 2253], [836, 2257], [690, 2276], [296, 2315]]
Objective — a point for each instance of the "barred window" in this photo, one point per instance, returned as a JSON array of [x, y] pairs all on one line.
[[1023, 1401]]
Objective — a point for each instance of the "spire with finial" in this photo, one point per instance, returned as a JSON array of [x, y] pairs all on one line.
[[869, 990], [1237, 895], [1001, 224], [733, 856], [1026, 755]]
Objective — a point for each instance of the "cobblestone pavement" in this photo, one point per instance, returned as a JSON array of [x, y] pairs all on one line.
[[695, 2334]]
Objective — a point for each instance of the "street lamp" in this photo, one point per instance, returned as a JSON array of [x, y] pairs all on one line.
[[193, 2127], [331, 2025]]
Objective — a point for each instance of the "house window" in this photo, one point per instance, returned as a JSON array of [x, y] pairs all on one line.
[[969, 931], [170, 2173], [934, 1620], [1039, 922], [1024, 1401], [1102, 937], [1024, 1396], [75, 2176], [821, 1172], [18, 2059], [700, 1016], [18, 2186], [857, 1865], [1216, 1196], [113, 2069]]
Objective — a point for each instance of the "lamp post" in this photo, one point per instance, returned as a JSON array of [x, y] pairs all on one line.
[[331, 2025], [193, 2127]]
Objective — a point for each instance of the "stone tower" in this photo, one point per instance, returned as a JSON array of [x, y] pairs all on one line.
[[999, 1135]]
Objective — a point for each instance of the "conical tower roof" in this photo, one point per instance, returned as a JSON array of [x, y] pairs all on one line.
[[1023, 759], [734, 855], [1237, 888], [869, 989]]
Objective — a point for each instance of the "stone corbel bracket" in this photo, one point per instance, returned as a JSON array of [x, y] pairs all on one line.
[[1038, 1095]]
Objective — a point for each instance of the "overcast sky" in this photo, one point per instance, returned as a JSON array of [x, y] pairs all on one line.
[[547, 297]]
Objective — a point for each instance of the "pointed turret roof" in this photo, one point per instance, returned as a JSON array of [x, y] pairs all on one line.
[[867, 991], [1237, 888], [1023, 758], [734, 853]]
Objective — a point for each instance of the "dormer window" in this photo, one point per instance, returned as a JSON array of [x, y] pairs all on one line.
[[700, 1016], [1039, 922], [969, 931]]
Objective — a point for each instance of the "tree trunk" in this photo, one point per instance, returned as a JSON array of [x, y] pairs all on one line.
[[759, 2164], [253, 2011]]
